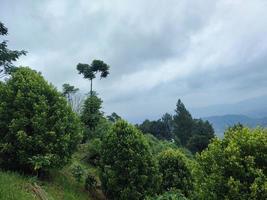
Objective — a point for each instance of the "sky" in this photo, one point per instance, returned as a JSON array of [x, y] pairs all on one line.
[[205, 52]]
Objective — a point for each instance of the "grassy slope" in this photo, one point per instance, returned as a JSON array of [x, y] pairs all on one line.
[[61, 186], [14, 186]]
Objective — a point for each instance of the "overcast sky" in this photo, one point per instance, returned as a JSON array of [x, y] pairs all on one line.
[[206, 52]]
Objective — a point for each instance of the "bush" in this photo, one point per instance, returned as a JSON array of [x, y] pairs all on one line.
[[128, 170], [174, 167], [38, 130], [94, 151], [77, 172], [157, 146], [90, 182], [172, 195], [234, 167]]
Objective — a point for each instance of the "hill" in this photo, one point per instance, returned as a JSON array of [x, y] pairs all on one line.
[[220, 123], [253, 107], [60, 185]]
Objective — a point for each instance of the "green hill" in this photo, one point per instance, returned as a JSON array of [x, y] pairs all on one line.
[[60, 185]]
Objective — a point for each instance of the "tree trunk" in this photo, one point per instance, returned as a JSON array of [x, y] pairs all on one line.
[[91, 91]]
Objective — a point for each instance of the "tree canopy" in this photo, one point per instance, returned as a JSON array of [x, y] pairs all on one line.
[[234, 167], [128, 170], [38, 130], [90, 71], [7, 56]]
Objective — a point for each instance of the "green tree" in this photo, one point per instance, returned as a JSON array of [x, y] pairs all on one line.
[[167, 119], [91, 114], [7, 56], [128, 170], [90, 71], [69, 90], [202, 133], [175, 170], [75, 99], [234, 167], [113, 117], [160, 129], [183, 123], [38, 130]]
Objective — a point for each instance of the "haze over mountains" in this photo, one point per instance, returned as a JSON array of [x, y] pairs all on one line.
[[220, 123], [250, 112]]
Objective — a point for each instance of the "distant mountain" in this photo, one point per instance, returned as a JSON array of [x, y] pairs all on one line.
[[254, 107], [220, 123]]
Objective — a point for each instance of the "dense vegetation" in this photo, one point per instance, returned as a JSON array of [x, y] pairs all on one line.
[[54, 146], [38, 129]]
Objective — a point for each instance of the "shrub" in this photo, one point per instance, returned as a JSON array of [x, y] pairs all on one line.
[[128, 170], [90, 182], [94, 151], [174, 167], [77, 172], [38, 130], [157, 146], [171, 195], [234, 167]]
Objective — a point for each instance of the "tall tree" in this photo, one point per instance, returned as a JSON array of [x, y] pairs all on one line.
[[183, 123], [90, 71], [7, 56]]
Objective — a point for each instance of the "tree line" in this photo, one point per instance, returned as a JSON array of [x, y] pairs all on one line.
[[194, 134]]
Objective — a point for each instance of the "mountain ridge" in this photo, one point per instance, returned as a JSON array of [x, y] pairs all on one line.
[[222, 122]]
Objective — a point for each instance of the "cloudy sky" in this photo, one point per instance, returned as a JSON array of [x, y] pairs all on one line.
[[206, 52]]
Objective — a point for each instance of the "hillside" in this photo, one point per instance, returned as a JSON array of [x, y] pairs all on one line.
[[60, 185], [220, 123]]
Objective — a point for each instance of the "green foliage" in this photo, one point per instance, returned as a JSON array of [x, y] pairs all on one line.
[[94, 151], [101, 128], [128, 170], [77, 172], [68, 90], [234, 167], [7, 56], [38, 130], [202, 133], [114, 117], [161, 128], [175, 170], [14, 187], [90, 182], [89, 71], [75, 99], [183, 123], [195, 134], [91, 114], [171, 195], [156, 146]]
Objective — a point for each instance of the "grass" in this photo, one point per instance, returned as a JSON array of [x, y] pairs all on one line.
[[60, 186], [14, 186]]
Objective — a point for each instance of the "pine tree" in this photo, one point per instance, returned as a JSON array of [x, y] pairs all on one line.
[[183, 123]]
